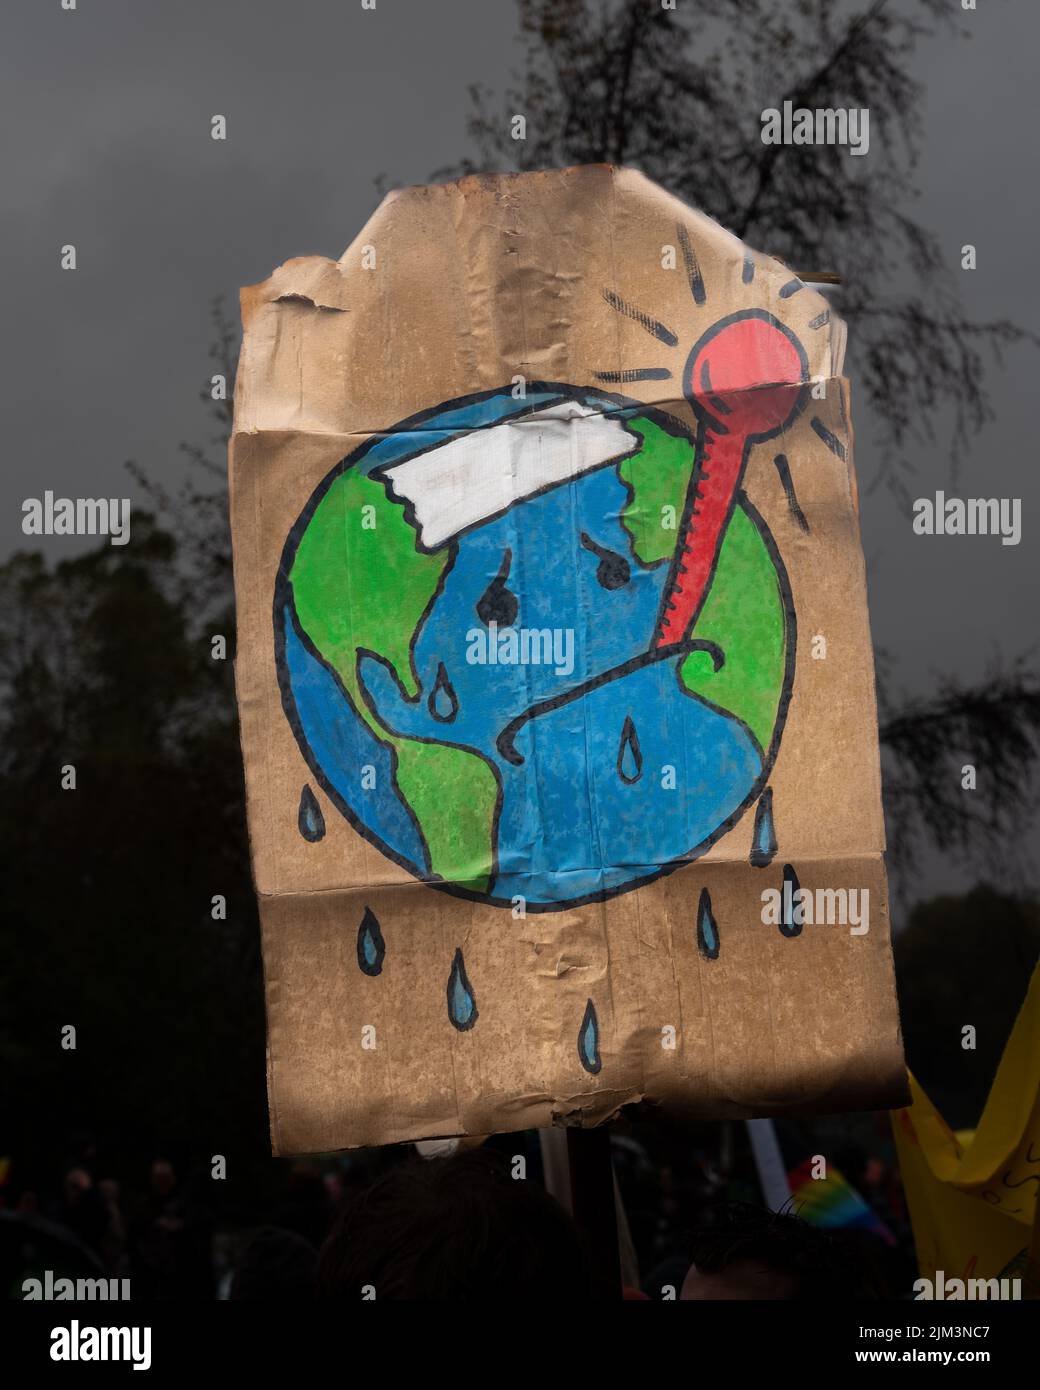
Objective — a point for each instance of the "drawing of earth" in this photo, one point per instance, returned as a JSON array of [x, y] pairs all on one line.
[[464, 629]]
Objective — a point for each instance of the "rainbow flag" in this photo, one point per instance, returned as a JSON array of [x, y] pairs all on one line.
[[833, 1201]]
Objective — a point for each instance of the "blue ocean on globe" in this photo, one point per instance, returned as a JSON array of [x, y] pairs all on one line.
[[608, 767]]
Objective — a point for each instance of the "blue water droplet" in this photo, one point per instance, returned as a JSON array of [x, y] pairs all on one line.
[[371, 948], [462, 1007], [707, 930], [310, 820], [788, 925], [443, 703], [629, 757], [588, 1040], [763, 839]]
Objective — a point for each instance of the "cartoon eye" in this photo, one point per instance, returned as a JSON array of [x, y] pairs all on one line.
[[497, 604], [613, 570]]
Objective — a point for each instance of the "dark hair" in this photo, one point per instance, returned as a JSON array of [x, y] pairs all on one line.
[[824, 1264], [459, 1229]]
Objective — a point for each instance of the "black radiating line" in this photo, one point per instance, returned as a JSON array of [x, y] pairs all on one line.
[[636, 374], [653, 327], [783, 468], [748, 273], [821, 320], [831, 440], [693, 270], [792, 287]]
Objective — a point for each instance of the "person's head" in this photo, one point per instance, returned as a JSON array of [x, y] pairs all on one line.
[[459, 1229], [163, 1177], [108, 1189], [77, 1182], [746, 1252]]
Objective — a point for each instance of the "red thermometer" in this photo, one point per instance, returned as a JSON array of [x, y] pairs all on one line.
[[746, 382]]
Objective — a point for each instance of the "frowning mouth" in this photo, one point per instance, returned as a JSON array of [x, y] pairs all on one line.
[[506, 739]]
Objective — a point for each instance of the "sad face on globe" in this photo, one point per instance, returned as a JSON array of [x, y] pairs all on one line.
[[542, 648]]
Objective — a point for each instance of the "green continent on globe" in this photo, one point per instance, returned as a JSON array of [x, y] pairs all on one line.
[[744, 610], [657, 476], [355, 587]]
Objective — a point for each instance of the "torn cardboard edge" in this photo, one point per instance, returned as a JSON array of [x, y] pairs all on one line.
[[603, 1106]]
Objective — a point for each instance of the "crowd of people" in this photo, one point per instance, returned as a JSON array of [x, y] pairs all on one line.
[[394, 1224]]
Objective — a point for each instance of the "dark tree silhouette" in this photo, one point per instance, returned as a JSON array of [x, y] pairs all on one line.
[[679, 94], [107, 921], [926, 741]]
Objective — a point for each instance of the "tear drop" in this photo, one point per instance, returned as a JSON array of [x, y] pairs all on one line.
[[462, 1007], [788, 925], [613, 571], [588, 1040], [629, 758], [707, 929], [371, 948], [443, 702], [763, 838], [497, 604], [310, 820]]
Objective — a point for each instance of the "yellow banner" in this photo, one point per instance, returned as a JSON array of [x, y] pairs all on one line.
[[973, 1205]]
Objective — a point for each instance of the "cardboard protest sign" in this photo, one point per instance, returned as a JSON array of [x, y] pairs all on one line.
[[554, 672]]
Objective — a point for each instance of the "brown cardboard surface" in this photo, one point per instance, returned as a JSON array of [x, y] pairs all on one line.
[[459, 289]]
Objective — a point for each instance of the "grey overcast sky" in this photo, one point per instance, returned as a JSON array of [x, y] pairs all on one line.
[[106, 144]]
